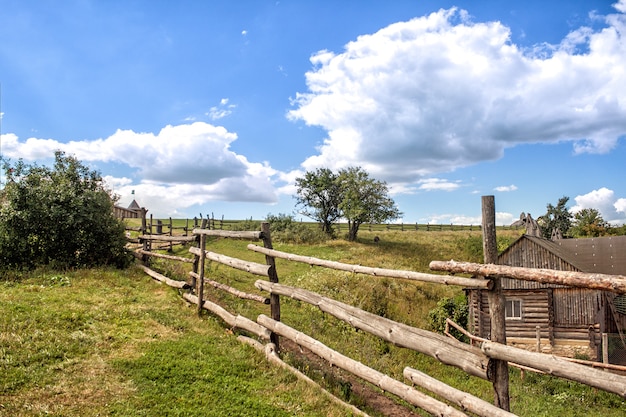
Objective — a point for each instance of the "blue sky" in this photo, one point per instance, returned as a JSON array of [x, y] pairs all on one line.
[[217, 106]]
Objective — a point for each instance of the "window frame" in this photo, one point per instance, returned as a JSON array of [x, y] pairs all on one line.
[[512, 309]]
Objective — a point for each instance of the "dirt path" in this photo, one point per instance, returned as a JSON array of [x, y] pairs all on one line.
[[373, 397]]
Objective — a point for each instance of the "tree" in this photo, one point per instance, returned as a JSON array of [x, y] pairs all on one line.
[[60, 216], [589, 223], [318, 195], [364, 200], [557, 221]]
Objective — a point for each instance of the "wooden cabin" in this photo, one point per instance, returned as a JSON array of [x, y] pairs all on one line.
[[132, 212], [555, 318]]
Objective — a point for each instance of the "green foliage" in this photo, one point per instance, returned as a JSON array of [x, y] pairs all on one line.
[[364, 200], [557, 219], [60, 216], [455, 309], [589, 223], [350, 194], [318, 196], [286, 229]]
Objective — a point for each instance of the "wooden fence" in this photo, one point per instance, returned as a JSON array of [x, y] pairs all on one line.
[[170, 226], [480, 358]]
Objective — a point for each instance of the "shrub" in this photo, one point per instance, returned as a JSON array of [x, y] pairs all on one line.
[[286, 229], [454, 308], [60, 217]]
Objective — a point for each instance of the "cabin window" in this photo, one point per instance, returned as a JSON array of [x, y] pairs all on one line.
[[513, 309]]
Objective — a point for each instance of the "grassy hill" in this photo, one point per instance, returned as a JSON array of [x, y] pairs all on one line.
[[116, 343]]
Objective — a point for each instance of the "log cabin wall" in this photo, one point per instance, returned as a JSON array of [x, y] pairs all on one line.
[[570, 320]]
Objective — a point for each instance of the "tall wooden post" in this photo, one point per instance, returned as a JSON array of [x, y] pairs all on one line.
[[144, 242], [499, 370], [200, 282], [273, 276]]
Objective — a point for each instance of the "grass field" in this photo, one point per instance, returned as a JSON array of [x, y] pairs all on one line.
[[116, 343]]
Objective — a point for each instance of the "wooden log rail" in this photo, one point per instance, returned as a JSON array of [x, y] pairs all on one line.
[[272, 356], [238, 321], [168, 238], [379, 272], [164, 256], [231, 290], [463, 399], [247, 266], [384, 382], [559, 367], [604, 282], [252, 235], [162, 278], [449, 351]]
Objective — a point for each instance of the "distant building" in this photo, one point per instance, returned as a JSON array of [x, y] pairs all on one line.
[[134, 211]]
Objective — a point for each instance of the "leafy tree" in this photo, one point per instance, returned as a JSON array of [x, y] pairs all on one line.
[[318, 195], [60, 216], [364, 200], [589, 223], [557, 220]]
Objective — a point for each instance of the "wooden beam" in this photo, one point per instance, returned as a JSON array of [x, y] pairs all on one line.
[[379, 272], [499, 369], [167, 238], [162, 278], [238, 321], [254, 235], [466, 401], [164, 256], [373, 376], [247, 266], [231, 290], [559, 367], [604, 282], [448, 351]]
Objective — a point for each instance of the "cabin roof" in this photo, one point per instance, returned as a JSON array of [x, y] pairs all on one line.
[[134, 206], [605, 255]]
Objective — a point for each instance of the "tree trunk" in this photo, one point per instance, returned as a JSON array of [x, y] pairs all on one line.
[[353, 230]]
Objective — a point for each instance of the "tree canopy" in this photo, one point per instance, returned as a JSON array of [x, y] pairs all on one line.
[[318, 196], [589, 223], [60, 216], [350, 194], [557, 221]]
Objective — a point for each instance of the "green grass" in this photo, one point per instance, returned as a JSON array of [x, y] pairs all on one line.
[[116, 343]]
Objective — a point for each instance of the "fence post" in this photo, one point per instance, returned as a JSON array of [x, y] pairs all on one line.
[[145, 243], [273, 276], [171, 249], [499, 369], [200, 283]]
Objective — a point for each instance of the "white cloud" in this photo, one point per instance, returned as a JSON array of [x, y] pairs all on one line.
[[441, 92], [179, 167], [437, 184], [219, 112], [604, 200], [506, 188]]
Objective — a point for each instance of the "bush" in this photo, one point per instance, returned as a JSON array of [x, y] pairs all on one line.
[[60, 217], [286, 229], [454, 308]]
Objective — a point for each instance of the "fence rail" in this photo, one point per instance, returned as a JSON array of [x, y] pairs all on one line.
[[474, 360]]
